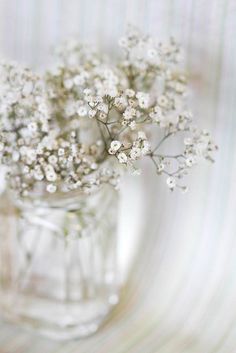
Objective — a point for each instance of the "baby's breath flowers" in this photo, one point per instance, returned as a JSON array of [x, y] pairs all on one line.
[[85, 120]]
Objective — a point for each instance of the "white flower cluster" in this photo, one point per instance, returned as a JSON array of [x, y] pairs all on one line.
[[79, 90], [145, 59], [23, 107], [77, 125], [127, 153]]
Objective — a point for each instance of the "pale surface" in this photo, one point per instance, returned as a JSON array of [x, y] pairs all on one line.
[[182, 295]]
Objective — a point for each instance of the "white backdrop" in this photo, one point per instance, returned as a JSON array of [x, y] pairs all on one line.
[[181, 296]]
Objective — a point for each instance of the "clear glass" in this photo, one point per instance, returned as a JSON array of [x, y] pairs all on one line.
[[58, 264]]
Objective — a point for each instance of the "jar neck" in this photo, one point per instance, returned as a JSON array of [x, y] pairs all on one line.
[[70, 200]]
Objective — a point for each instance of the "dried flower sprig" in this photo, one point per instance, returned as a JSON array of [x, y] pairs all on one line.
[[85, 120]]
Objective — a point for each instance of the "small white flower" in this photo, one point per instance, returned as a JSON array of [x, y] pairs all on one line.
[[115, 146], [171, 182], [122, 158], [135, 153], [152, 53], [184, 189], [162, 101], [123, 42], [23, 150], [188, 115], [49, 169], [129, 113], [120, 102], [51, 176], [111, 151], [87, 92], [180, 88], [135, 171], [190, 161], [145, 147], [201, 148], [132, 125], [78, 184], [51, 188], [68, 84], [82, 111], [92, 113], [143, 99], [130, 92], [157, 114], [160, 167], [33, 126], [25, 169], [38, 175], [103, 107], [188, 141], [94, 166], [31, 156], [52, 159], [61, 152]]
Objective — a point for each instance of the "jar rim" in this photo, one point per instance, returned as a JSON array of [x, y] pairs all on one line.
[[59, 199]]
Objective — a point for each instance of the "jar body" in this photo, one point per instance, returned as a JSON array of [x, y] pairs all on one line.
[[58, 265]]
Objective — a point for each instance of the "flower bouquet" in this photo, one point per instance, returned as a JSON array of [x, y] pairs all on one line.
[[66, 138]]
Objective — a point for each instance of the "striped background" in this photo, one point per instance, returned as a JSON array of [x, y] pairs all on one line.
[[181, 295]]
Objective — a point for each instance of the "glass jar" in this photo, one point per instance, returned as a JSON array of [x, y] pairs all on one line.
[[58, 264]]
